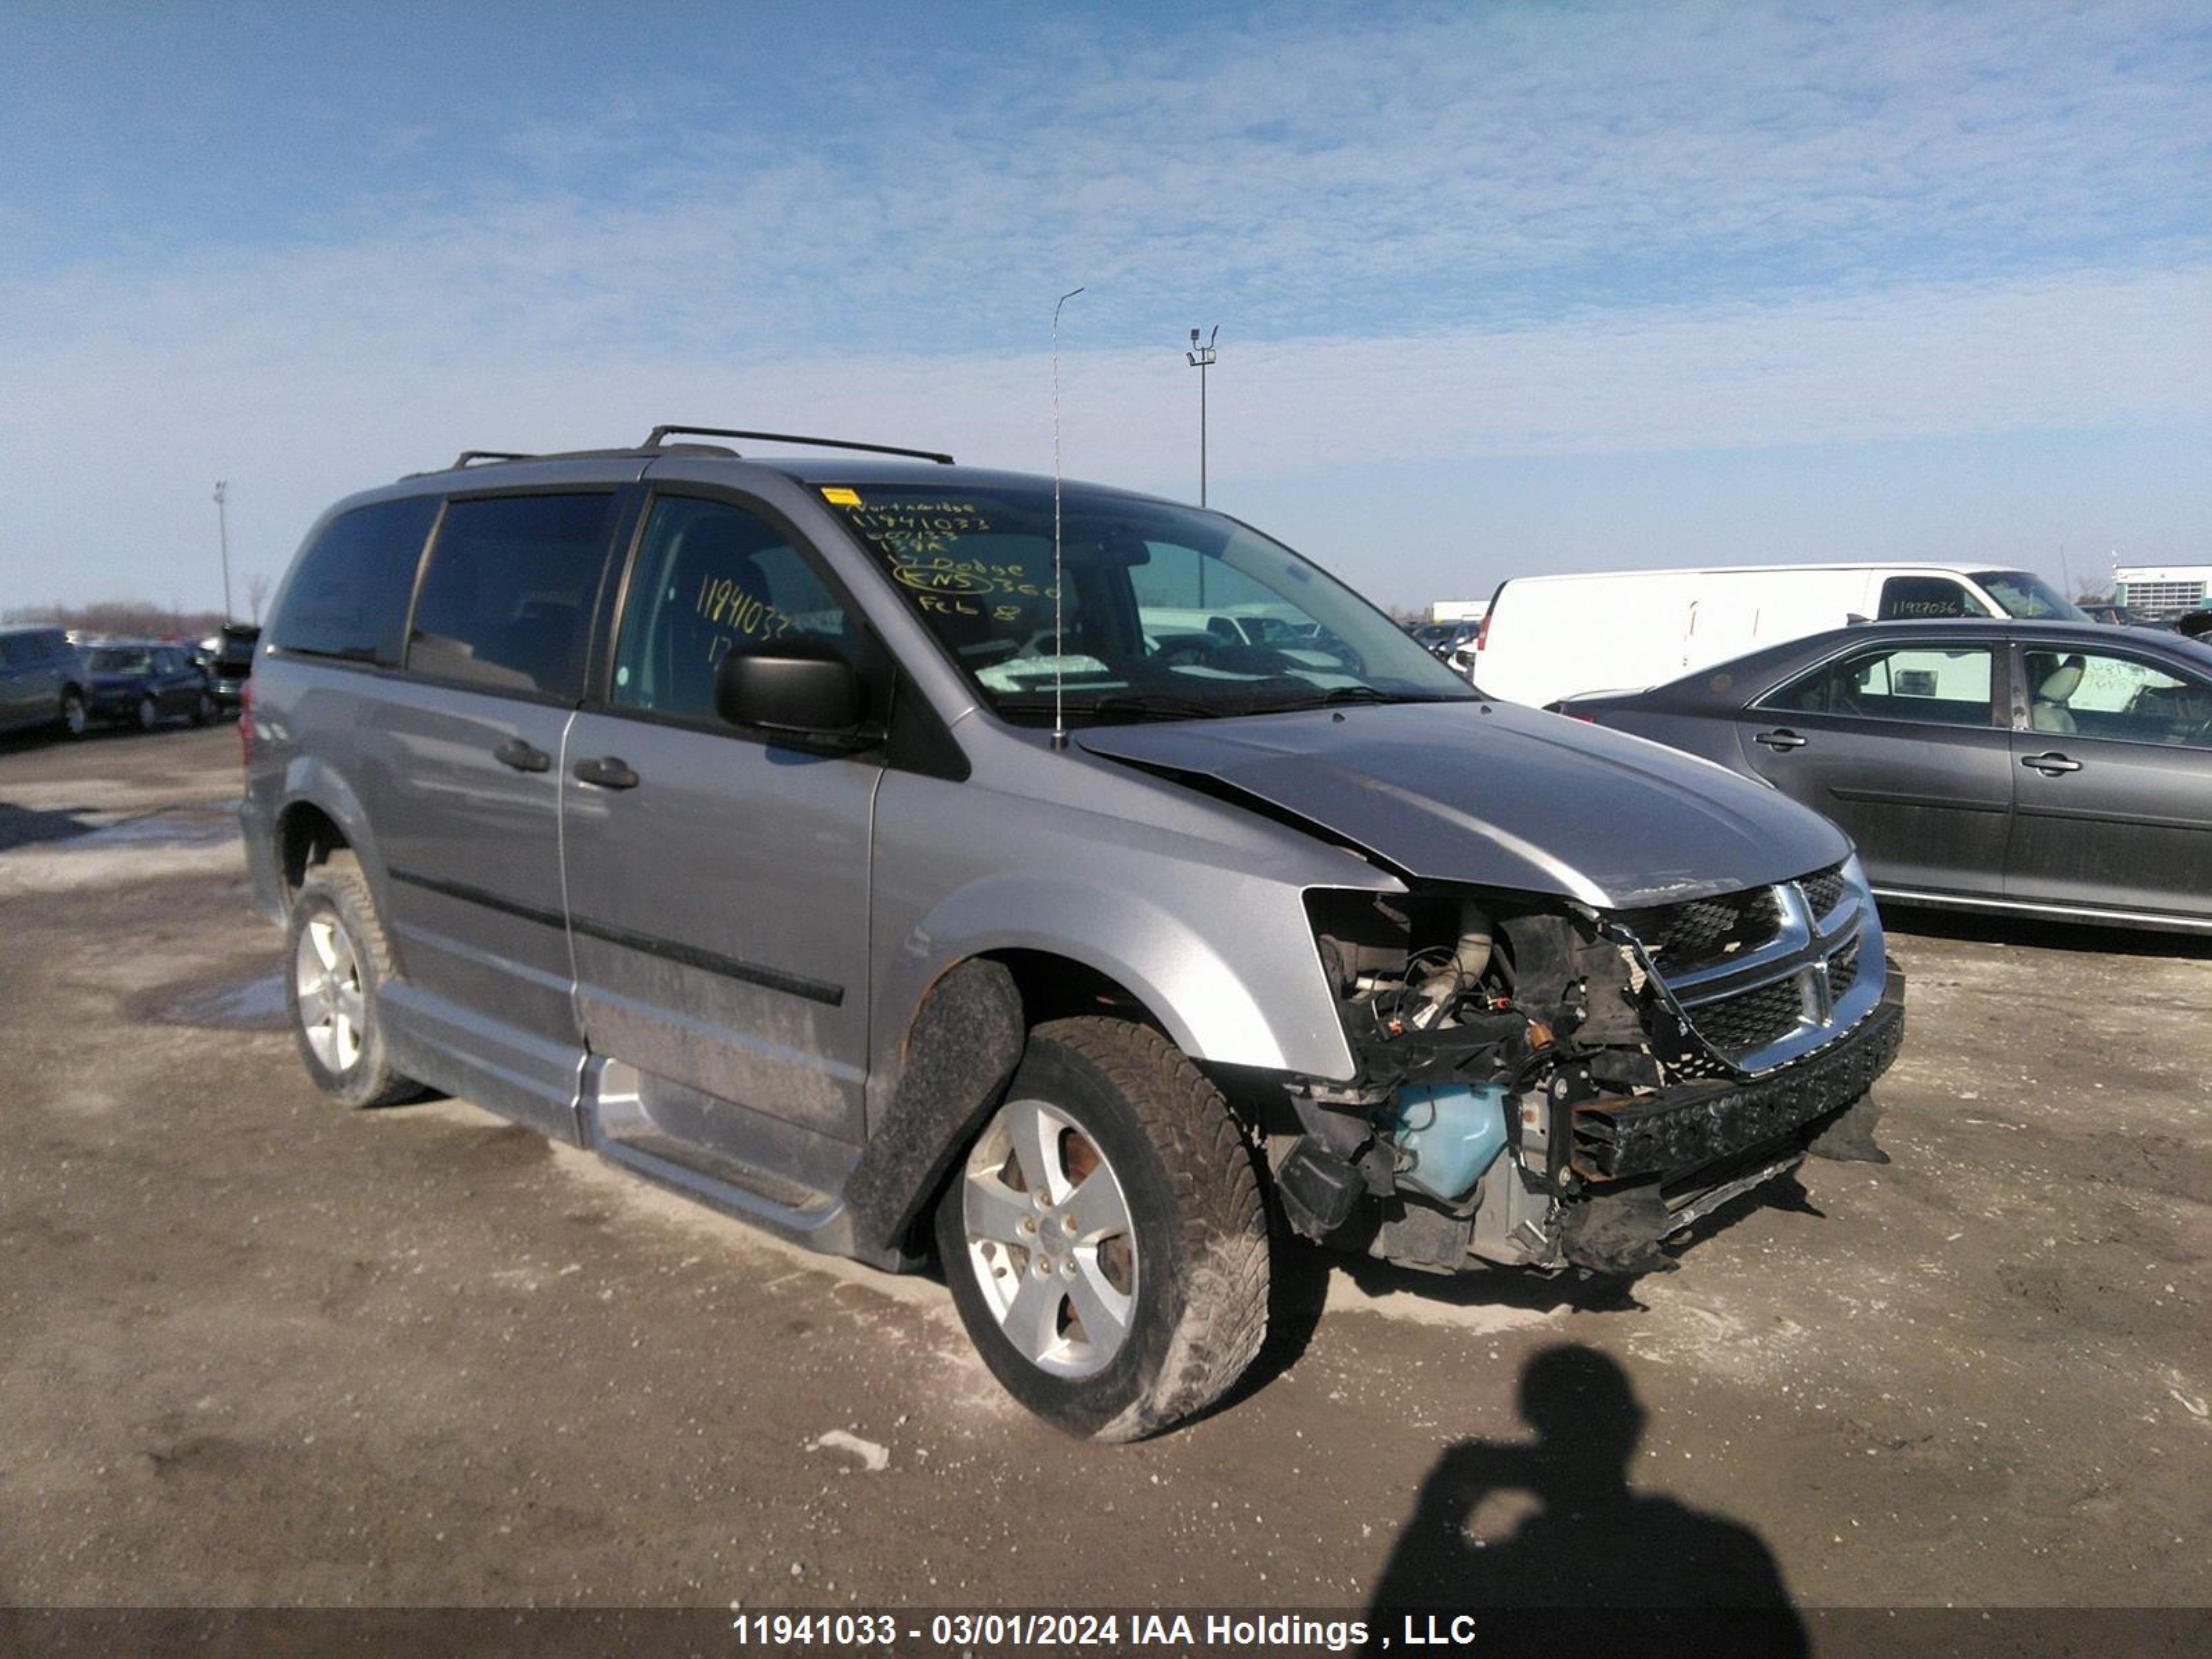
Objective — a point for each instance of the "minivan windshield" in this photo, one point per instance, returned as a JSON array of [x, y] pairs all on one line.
[[1167, 612], [2029, 597]]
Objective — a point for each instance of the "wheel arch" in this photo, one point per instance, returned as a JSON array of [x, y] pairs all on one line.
[[305, 836], [318, 814]]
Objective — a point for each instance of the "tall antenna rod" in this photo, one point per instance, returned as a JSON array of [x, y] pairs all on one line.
[[1059, 639]]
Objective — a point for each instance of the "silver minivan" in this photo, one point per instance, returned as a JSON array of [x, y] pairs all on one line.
[[832, 840]]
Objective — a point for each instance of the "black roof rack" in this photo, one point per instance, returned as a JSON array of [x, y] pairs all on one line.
[[468, 455], [661, 432]]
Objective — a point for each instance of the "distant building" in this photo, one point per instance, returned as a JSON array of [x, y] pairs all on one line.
[[1456, 611], [2162, 590]]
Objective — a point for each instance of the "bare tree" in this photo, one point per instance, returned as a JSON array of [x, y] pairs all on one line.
[[257, 590], [125, 618]]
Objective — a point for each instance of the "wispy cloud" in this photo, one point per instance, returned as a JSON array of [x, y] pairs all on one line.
[[325, 399], [1445, 233]]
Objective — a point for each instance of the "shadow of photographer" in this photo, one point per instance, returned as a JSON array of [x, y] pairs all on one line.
[[1590, 1557]]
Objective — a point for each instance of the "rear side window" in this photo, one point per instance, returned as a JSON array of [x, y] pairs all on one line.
[[348, 597], [507, 601], [1943, 685]]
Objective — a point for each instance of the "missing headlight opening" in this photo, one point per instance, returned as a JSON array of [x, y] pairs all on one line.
[[1542, 1084]]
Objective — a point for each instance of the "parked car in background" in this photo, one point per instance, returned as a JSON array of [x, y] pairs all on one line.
[[41, 680], [2062, 768], [1451, 643], [1226, 638], [144, 681], [1548, 637], [841, 841], [231, 663], [2112, 615]]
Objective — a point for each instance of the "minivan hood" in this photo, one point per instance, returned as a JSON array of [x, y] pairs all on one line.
[[1497, 795]]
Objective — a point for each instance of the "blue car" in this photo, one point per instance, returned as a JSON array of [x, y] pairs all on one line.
[[143, 683]]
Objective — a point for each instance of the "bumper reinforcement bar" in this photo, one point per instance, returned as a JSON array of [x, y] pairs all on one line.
[[1617, 1140]]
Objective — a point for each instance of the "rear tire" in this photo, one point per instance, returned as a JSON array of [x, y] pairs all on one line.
[[149, 712], [204, 710], [1169, 1256], [338, 962], [73, 718]]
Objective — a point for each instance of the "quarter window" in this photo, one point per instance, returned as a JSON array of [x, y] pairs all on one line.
[[508, 601], [348, 595], [711, 578], [2093, 694], [1947, 685]]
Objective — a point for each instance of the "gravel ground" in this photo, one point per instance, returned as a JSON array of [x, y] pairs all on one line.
[[256, 1350]]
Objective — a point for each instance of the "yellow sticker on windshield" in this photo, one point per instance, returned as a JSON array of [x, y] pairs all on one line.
[[838, 496]]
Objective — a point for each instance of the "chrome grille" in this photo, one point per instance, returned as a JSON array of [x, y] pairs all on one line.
[[1754, 979], [1680, 937], [1843, 970], [1753, 1020], [1825, 891]]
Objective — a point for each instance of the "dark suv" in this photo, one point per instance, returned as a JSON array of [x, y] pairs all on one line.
[[859, 845], [232, 663], [41, 680]]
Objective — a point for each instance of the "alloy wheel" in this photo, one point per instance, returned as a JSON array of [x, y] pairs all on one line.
[[333, 1007], [1049, 1239]]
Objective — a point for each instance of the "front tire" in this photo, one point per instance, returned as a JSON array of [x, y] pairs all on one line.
[[1104, 1238], [204, 710], [149, 712], [339, 961], [73, 718]]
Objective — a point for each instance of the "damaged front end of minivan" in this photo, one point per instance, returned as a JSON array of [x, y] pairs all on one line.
[[1544, 1083]]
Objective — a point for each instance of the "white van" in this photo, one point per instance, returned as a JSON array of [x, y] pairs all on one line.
[[1549, 637]]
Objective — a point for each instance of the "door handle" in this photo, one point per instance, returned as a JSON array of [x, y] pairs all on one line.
[[606, 771], [2051, 765], [522, 756], [1782, 738]]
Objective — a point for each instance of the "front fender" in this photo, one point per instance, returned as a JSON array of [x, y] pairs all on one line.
[[1239, 982], [1213, 1007]]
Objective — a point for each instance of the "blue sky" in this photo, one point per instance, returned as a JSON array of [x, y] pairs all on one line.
[[1501, 288]]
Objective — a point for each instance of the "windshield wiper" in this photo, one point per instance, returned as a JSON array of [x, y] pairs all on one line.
[[1344, 694], [1145, 705]]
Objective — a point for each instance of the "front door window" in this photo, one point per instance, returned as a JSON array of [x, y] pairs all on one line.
[[713, 578], [2094, 694]]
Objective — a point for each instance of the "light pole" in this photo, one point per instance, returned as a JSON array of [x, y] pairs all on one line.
[[1200, 357], [222, 530]]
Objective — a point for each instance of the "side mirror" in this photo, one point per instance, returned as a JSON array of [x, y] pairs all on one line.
[[798, 686]]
